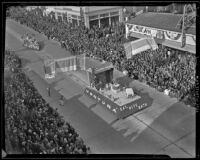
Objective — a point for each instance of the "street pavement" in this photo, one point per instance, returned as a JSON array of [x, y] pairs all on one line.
[[167, 127]]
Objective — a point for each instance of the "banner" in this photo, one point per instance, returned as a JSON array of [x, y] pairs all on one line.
[[140, 45], [172, 35], [161, 34], [66, 64]]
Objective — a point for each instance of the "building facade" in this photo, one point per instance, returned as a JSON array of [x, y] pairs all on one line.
[[102, 16], [99, 16], [163, 28]]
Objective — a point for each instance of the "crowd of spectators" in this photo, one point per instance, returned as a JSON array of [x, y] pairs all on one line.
[[164, 68], [31, 125]]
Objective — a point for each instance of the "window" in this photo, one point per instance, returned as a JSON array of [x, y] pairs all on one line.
[[94, 23], [74, 22], [104, 22], [114, 20], [93, 17], [114, 13]]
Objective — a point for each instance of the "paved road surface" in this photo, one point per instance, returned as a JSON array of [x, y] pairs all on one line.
[[167, 127]]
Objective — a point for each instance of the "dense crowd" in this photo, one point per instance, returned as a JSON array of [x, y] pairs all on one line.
[[31, 125], [164, 68]]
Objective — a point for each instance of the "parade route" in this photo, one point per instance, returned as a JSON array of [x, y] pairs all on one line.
[[166, 127]]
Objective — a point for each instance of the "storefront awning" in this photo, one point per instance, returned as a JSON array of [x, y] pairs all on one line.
[[171, 44], [177, 45]]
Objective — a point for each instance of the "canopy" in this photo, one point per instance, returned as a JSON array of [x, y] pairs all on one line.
[[140, 45], [171, 44]]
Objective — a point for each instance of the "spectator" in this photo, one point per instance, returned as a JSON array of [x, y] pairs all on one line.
[[61, 100], [158, 68], [32, 125], [49, 91]]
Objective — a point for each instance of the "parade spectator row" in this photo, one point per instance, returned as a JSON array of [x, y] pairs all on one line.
[[31, 125], [174, 70]]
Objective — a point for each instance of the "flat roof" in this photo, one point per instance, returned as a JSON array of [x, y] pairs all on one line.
[[166, 21]]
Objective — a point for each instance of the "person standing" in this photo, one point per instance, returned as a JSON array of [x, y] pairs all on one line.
[[61, 100], [49, 91]]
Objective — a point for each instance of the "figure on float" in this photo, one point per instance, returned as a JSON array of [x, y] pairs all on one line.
[[30, 42]]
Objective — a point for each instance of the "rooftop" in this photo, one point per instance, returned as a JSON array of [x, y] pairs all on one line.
[[166, 21]]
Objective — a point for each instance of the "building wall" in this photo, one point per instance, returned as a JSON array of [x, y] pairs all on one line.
[[95, 13], [73, 13]]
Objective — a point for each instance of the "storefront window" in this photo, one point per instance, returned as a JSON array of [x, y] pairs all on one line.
[[94, 23], [74, 22], [74, 16], [65, 17], [114, 20], [104, 22], [59, 14], [59, 18]]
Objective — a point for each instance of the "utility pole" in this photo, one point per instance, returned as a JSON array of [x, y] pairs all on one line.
[[183, 42], [187, 20]]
